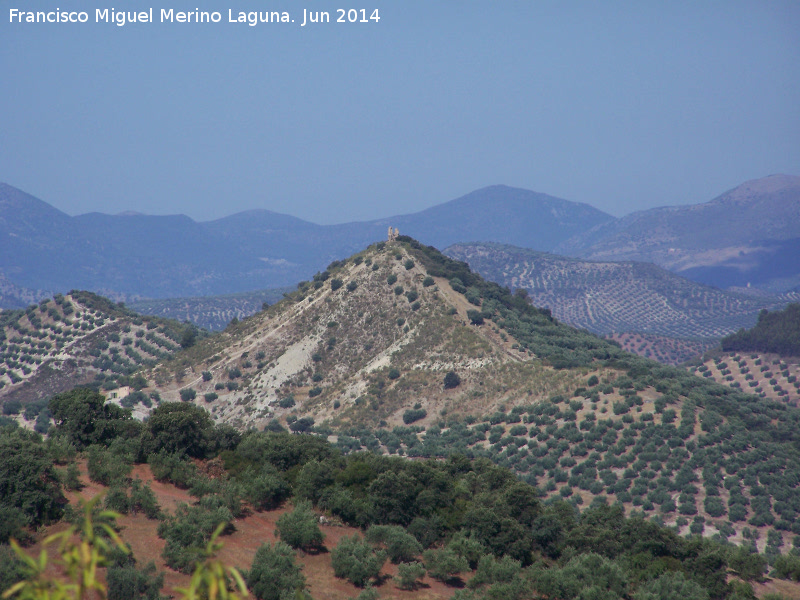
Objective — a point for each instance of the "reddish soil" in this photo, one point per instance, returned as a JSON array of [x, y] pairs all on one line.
[[251, 532]]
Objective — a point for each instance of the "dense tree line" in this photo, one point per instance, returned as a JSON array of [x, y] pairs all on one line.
[[775, 332], [443, 517]]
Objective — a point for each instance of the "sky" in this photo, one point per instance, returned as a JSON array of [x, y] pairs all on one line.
[[621, 105]]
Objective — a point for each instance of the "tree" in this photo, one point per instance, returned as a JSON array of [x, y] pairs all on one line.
[[274, 573], [355, 560], [400, 545], [126, 582], [300, 528], [176, 427], [671, 586], [30, 492], [83, 417], [475, 317], [409, 575], [12, 568], [444, 564], [451, 380]]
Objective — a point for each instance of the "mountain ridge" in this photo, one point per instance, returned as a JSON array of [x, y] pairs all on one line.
[[752, 227], [146, 256]]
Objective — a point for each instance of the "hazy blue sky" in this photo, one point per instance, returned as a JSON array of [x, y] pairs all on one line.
[[623, 105]]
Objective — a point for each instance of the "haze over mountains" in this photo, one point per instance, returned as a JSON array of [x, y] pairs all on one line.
[[749, 235], [134, 256]]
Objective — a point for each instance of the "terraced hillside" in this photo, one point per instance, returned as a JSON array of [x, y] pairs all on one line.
[[666, 350], [364, 353], [210, 312], [76, 339], [617, 297], [400, 350], [766, 375]]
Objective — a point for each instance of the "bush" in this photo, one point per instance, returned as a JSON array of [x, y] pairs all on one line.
[[174, 427], [428, 281], [300, 528], [207, 376], [174, 468], [12, 568], [671, 586], [188, 394], [266, 489], [274, 575], [451, 380], [409, 575], [187, 532], [336, 284], [210, 396], [142, 499], [475, 317], [444, 564], [393, 373], [400, 545], [787, 566], [106, 467], [126, 582], [409, 264], [391, 279], [355, 560], [413, 415], [12, 407], [351, 287]]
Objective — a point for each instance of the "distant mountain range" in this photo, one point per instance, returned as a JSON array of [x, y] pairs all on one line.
[[749, 236], [132, 256]]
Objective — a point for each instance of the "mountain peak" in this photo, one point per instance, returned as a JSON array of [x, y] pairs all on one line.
[[756, 189]]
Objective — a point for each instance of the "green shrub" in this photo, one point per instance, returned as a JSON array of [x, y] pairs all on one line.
[[671, 586], [444, 564], [187, 532], [300, 528], [399, 544], [106, 467], [413, 415], [12, 569], [266, 489], [355, 560], [336, 284], [409, 575], [142, 499], [787, 566], [188, 394], [274, 575], [475, 317], [451, 380], [126, 582], [174, 468]]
